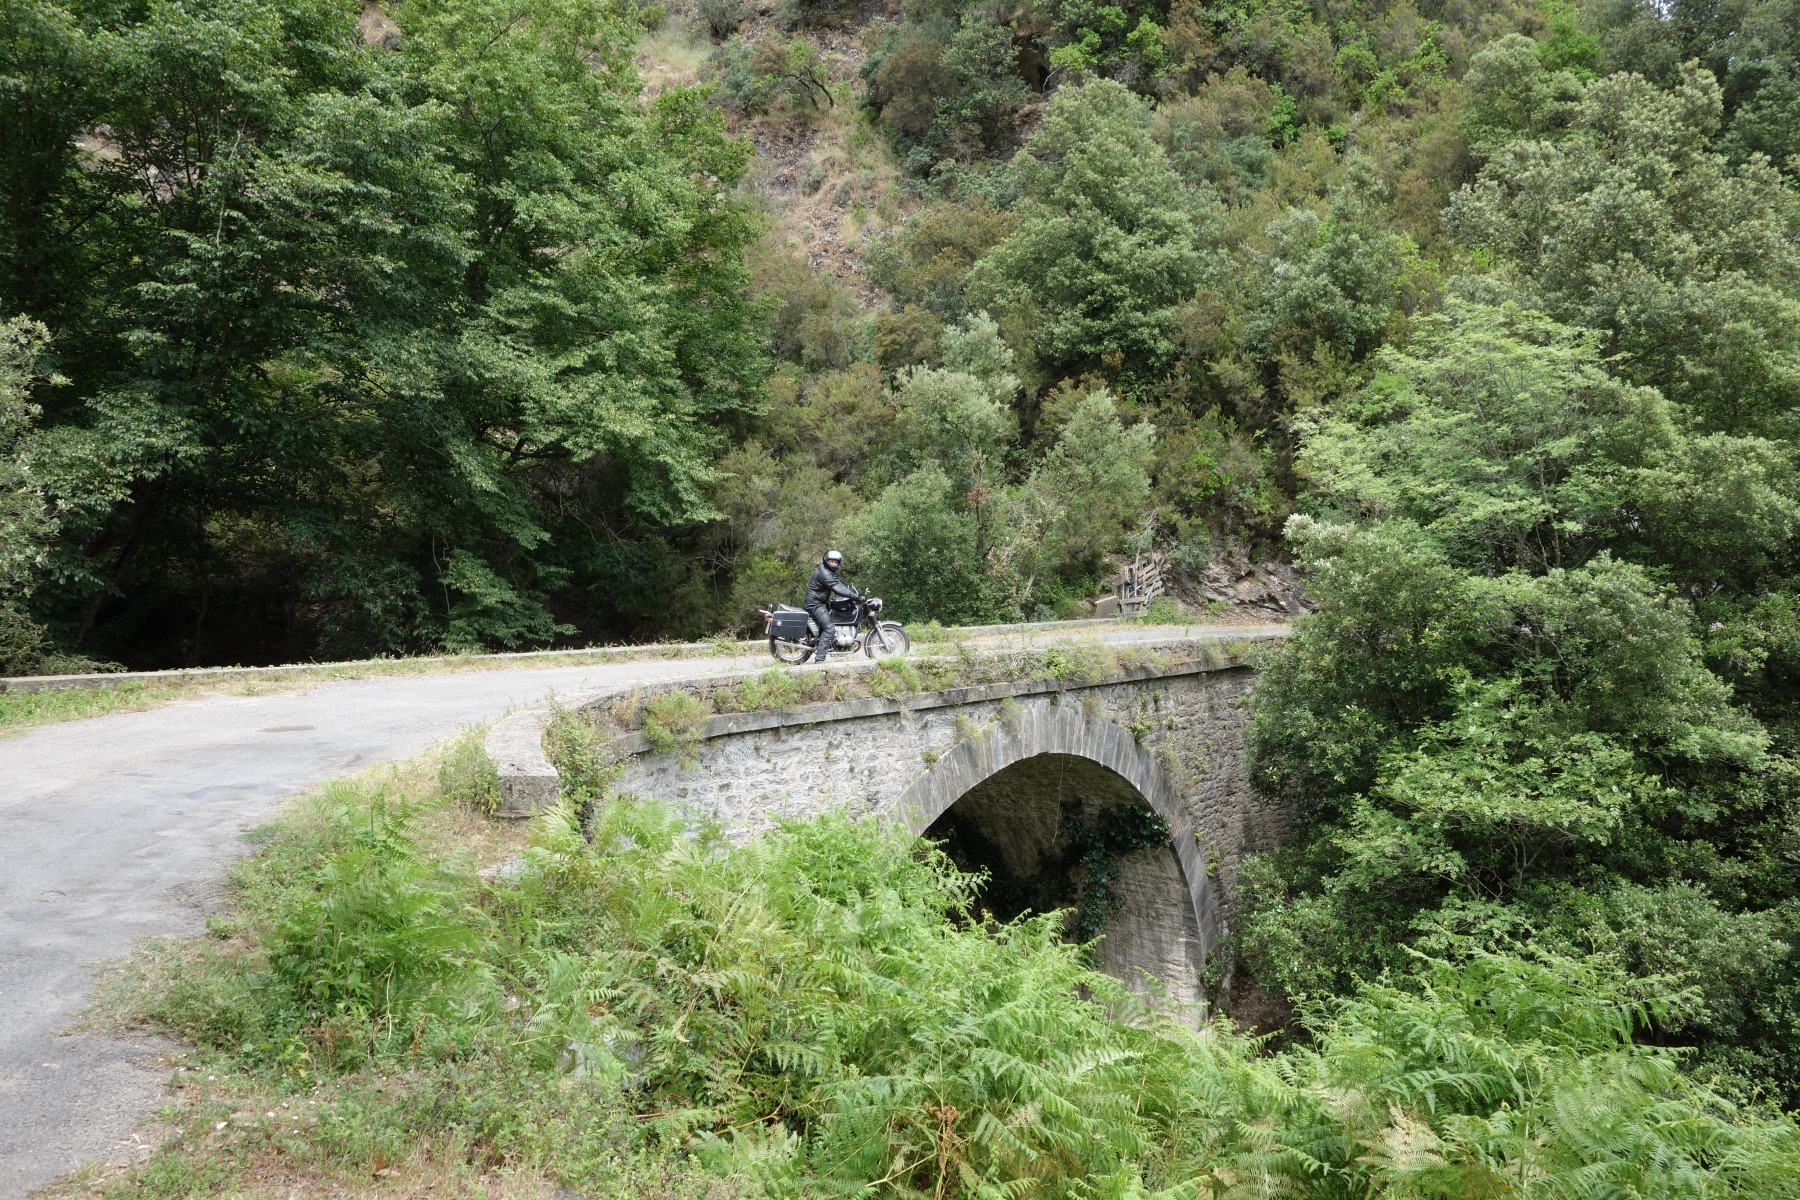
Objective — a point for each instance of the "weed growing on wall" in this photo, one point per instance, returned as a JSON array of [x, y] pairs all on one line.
[[1095, 848], [895, 677], [582, 754], [774, 688], [889, 679], [675, 722]]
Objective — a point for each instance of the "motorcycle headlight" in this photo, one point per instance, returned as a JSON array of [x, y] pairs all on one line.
[[875, 604]]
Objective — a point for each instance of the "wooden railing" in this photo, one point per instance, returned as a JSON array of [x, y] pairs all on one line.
[[1139, 584]]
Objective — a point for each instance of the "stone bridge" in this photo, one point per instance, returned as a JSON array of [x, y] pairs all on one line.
[[1023, 778]]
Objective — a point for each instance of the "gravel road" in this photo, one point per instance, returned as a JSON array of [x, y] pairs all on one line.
[[119, 828]]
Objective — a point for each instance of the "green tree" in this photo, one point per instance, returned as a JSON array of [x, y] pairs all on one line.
[[1751, 46], [1502, 433], [361, 343], [25, 523], [1095, 485], [1514, 94], [1497, 729], [1331, 283], [1109, 242], [1632, 222], [918, 546], [958, 418], [1498, 431]]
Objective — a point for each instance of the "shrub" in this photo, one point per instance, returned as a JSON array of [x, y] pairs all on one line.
[[1109, 244], [813, 321], [774, 688], [908, 337], [723, 17], [381, 935], [1164, 610], [581, 753], [21, 642], [675, 721], [895, 677], [818, 1013], [812, 12], [759, 74]]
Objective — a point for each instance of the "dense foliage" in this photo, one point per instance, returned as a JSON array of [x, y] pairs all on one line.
[[360, 349], [369, 335], [815, 1014]]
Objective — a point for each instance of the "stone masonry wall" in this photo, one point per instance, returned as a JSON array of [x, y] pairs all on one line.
[[1193, 723]]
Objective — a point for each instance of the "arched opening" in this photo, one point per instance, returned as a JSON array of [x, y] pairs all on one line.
[[1060, 831]]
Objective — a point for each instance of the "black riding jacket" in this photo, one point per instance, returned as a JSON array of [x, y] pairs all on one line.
[[820, 589]]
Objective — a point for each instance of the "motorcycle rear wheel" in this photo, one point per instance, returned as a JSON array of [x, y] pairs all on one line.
[[886, 640], [789, 652]]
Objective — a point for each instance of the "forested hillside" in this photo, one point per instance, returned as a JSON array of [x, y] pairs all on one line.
[[337, 332], [478, 324]]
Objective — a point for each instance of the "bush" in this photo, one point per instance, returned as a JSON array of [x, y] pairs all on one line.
[[376, 942], [908, 337], [21, 643], [812, 12], [760, 74], [918, 549], [927, 262], [582, 755], [812, 321], [1109, 243], [723, 17], [675, 721]]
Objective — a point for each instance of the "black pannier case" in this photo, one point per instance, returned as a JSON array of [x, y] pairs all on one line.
[[789, 626]]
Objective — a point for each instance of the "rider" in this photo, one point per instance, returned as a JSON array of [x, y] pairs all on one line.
[[819, 591]]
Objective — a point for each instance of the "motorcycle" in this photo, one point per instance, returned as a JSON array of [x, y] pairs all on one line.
[[856, 624]]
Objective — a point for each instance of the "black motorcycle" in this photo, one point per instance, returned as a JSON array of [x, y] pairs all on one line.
[[856, 625]]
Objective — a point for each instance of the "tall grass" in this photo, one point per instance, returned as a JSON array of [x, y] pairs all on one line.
[[817, 1014]]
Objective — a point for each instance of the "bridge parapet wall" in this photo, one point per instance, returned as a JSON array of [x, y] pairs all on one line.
[[1176, 733]]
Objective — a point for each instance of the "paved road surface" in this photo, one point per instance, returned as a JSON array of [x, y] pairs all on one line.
[[120, 827]]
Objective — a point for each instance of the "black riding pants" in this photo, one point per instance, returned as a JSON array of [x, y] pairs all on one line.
[[827, 630]]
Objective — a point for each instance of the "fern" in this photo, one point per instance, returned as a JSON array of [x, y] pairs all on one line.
[[818, 1013]]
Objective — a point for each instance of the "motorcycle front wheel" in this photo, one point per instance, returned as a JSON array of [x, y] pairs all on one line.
[[788, 652], [886, 639]]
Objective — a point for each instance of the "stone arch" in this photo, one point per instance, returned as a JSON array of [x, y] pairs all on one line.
[[1042, 728]]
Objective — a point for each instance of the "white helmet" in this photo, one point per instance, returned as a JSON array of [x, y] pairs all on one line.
[[834, 556]]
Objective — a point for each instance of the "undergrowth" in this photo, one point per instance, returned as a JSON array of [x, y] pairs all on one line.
[[648, 1011], [467, 776], [26, 710]]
